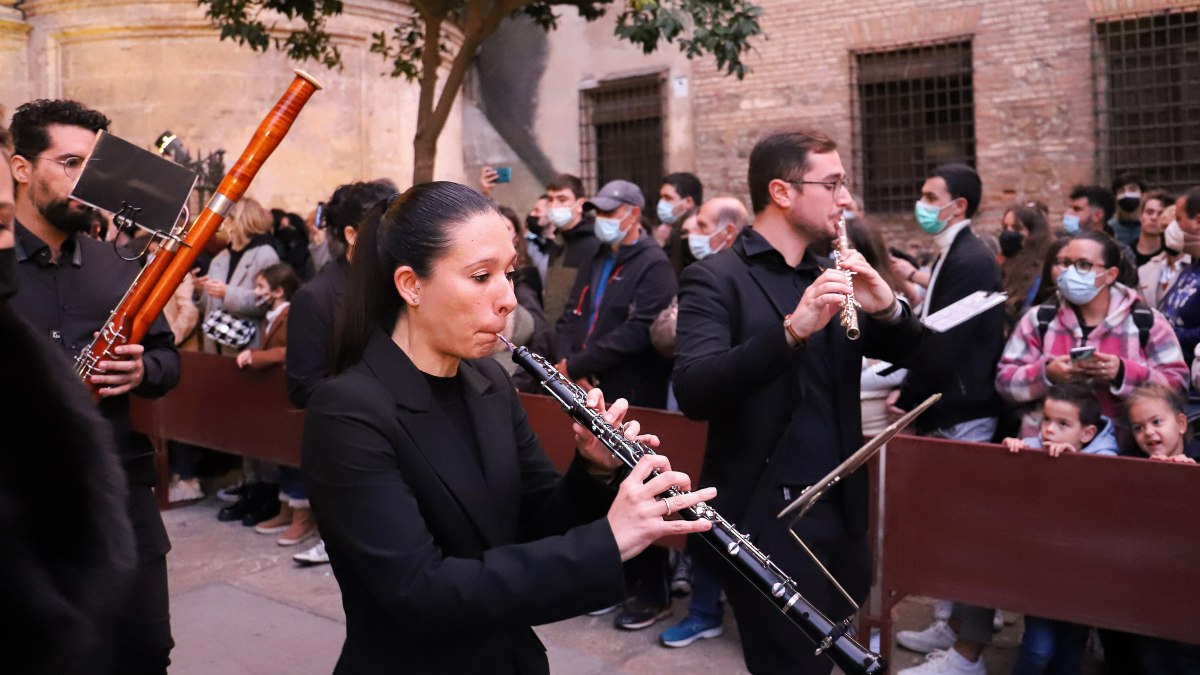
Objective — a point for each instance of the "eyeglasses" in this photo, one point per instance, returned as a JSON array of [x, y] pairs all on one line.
[[1083, 265], [70, 165], [832, 185]]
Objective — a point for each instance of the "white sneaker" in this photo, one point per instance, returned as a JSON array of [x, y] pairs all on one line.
[[948, 662], [313, 556], [939, 635], [185, 491]]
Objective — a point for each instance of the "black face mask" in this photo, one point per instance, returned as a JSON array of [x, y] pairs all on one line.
[[1129, 204], [1011, 243], [8, 272], [534, 225]]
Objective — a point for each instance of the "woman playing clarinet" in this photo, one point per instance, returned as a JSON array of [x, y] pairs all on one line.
[[449, 531]]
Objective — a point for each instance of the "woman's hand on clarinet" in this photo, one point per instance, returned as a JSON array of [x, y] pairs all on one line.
[[599, 457], [870, 290], [638, 517]]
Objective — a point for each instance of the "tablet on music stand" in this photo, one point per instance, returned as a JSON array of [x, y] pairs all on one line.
[[121, 178]]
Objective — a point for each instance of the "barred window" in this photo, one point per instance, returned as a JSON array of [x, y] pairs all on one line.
[[915, 109], [1147, 71], [621, 133]]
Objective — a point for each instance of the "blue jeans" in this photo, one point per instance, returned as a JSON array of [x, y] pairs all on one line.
[[705, 603], [1050, 646], [292, 488]]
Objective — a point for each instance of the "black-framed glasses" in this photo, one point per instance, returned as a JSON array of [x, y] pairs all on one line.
[[832, 185], [70, 165], [1083, 265]]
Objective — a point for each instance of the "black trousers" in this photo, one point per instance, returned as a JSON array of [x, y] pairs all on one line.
[[142, 640], [771, 642]]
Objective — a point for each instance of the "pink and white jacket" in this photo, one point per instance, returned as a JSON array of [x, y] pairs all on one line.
[[1021, 373]]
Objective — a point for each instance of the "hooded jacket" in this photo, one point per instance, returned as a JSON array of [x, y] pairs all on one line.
[[1021, 375]]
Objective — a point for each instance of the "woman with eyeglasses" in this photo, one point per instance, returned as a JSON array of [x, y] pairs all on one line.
[[1095, 331]]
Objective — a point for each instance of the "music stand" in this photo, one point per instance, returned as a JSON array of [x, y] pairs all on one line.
[[139, 188]]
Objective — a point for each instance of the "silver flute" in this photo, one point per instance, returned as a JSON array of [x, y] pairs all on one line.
[[849, 305], [831, 638]]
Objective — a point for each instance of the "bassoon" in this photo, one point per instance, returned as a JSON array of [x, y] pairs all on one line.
[[831, 638], [154, 286]]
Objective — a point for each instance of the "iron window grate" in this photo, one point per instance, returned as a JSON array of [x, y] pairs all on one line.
[[621, 131], [914, 110], [1147, 89]]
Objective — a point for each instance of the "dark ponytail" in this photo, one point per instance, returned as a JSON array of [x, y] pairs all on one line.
[[415, 229]]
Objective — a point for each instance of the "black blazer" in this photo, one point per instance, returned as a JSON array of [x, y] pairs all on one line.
[[965, 372], [734, 368], [445, 564]]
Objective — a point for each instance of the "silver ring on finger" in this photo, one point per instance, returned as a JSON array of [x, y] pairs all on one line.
[[667, 501]]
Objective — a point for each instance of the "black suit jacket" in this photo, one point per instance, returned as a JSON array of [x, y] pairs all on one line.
[[734, 368], [445, 564], [965, 372]]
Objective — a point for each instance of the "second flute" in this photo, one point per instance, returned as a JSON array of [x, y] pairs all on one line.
[[841, 246]]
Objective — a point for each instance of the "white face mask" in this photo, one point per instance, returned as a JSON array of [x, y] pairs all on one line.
[[562, 216], [1173, 236]]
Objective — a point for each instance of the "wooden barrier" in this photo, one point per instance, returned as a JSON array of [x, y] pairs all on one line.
[[1102, 541], [246, 412]]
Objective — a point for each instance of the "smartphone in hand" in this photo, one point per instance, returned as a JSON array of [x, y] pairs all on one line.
[[1080, 353], [503, 174]]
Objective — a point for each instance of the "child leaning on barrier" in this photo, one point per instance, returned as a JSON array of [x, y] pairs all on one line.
[[1160, 425], [1071, 422]]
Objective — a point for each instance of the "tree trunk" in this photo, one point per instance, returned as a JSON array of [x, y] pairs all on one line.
[[424, 155]]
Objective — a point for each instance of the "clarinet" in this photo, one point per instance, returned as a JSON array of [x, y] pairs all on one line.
[[831, 638]]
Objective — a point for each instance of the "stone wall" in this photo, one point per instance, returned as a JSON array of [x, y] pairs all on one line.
[[153, 66]]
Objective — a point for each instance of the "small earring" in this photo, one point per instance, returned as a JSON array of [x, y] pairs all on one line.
[[416, 301]]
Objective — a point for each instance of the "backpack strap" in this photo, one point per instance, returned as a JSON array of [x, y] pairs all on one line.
[[1143, 318], [1045, 314]]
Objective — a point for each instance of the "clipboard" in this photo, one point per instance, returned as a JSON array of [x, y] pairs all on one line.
[[963, 310]]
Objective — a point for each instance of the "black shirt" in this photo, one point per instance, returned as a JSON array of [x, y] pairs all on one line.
[[1143, 258], [68, 301], [448, 392]]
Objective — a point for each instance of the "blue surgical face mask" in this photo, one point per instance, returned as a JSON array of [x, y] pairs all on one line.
[[608, 230], [1079, 288], [927, 217], [562, 216], [701, 245], [666, 212], [1070, 223]]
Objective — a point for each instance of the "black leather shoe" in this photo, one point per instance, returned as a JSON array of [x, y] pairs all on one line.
[[265, 504], [235, 511]]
